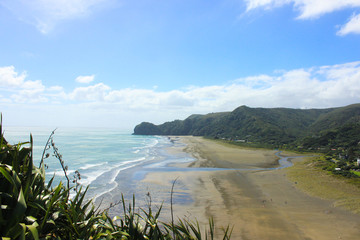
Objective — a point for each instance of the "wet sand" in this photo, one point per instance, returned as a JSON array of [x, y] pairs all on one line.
[[259, 204]]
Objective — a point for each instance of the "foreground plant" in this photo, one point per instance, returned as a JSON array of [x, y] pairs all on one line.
[[32, 209]]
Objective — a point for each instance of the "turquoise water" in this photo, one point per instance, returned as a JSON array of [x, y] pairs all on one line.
[[112, 162], [100, 155]]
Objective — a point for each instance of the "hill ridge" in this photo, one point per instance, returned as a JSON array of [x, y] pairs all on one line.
[[274, 126]]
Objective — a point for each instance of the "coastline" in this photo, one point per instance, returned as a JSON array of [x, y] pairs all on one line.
[[259, 204]]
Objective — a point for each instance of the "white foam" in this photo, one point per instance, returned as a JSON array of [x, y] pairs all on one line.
[[113, 182], [60, 172], [92, 165], [92, 176], [132, 161]]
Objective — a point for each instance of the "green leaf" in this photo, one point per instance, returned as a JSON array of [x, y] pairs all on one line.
[[19, 210], [30, 219], [23, 232], [33, 230], [52, 200], [17, 232], [4, 170]]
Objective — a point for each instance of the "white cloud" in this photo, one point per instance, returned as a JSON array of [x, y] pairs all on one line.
[[316, 87], [85, 79], [16, 88], [56, 88], [176, 98], [267, 4], [29, 96], [316, 8], [10, 78], [91, 93], [46, 14], [33, 85], [310, 9], [352, 26], [134, 98], [259, 81]]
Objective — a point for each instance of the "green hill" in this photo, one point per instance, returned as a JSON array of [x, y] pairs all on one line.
[[337, 117], [275, 126]]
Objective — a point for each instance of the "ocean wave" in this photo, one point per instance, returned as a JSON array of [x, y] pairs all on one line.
[[59, 172], [112, 182], [90, 178], [92, 165], [102, 174]]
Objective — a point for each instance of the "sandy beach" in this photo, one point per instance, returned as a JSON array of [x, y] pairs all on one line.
[[259, 204]]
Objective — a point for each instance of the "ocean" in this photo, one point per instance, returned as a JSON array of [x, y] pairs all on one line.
[[113, 163], [100, 155]]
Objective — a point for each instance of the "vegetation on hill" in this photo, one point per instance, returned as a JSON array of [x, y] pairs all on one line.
[[341, 147], [275, 126], [337, 118], [34, 209]]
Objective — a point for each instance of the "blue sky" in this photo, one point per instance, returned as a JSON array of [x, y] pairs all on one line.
[[116, 63]]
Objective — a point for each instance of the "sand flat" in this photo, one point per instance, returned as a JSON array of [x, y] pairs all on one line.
[[259, 204]]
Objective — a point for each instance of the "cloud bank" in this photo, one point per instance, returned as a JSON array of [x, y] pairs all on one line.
[[312, 9], [316, 87]]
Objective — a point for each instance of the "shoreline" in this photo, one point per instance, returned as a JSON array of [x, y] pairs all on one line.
[[259, 204]]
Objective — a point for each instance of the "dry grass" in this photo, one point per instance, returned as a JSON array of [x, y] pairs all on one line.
[[317, 182]]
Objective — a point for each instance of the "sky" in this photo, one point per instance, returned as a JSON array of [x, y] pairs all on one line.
[[117, 63]]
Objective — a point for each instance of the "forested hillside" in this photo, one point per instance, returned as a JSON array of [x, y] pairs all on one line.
[[305, 128]]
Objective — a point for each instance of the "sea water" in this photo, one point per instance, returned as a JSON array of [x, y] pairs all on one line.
[[99, 155], [112, 162]]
